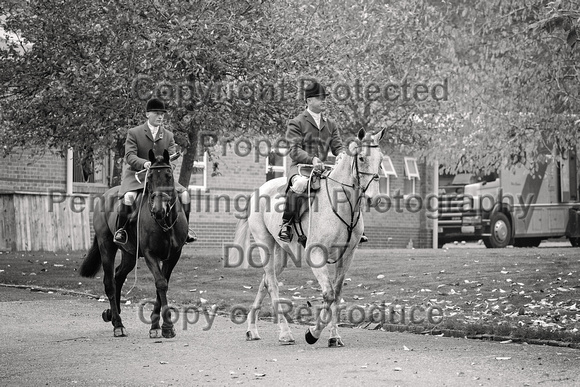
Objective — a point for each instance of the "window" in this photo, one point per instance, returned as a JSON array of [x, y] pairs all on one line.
[[276, 164], [85, 169], [198, 179], [385, 172], [412, 174]]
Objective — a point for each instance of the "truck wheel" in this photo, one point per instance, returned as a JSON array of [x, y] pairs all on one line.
[[501, 232], [575, 242]]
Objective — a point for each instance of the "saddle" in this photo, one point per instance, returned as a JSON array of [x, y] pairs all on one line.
[[132, 218], [302, 201], [313, 183]]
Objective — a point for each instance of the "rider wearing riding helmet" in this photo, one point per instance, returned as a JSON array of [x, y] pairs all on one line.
[[310, 135], [139, 141]]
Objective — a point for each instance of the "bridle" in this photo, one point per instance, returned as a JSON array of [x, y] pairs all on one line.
[[165, 221], [354, 206]]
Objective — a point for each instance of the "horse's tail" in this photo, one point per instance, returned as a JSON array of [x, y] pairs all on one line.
[[241, 242], [92, 262]]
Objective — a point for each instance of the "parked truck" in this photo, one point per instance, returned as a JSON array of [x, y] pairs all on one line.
[[513, 207]]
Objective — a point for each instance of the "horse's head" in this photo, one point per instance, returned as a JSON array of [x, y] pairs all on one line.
[[160, 185], [367, 162]]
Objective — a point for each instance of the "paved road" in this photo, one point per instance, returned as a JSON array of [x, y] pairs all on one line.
[[57, 340]]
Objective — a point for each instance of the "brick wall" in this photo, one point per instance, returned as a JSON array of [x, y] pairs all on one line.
[[240, 176], [23, 171], [214, 210], [410, 222]]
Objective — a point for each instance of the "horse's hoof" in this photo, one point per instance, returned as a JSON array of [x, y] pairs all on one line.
[[252, 336], [286, 338], [155, 334], [107, 315], [120, 332], [286, 341], [335, 342], [310, 339], [168, 333]]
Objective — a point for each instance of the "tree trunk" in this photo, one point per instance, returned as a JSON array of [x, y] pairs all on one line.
[[188, 158]]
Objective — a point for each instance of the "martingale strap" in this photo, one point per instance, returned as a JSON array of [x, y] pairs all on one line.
[[354, 207]]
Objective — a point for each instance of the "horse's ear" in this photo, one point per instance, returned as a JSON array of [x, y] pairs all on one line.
[[166, 156], [379, 136], [361, 134], [152, 156]]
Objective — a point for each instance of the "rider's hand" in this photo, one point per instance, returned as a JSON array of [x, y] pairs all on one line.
[[318, 165], [147, 164]]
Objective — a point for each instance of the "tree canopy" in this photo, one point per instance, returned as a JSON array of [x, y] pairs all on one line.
[[472, 85]]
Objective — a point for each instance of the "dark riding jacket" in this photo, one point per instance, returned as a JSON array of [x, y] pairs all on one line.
[[137, 145], [307, 141]]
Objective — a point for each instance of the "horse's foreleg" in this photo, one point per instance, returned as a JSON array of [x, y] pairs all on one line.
[[252, 332], [167, 267], [320, 270], [335, 308], [127, 264], [340, 274], [161, 299]]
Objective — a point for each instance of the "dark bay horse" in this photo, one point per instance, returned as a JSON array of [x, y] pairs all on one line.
[[159, 232]]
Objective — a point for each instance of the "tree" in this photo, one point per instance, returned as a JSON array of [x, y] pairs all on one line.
[[504, 73], [80, 83], [514, 85]]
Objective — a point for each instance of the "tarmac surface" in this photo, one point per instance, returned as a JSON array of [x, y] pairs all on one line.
[[58, 340]]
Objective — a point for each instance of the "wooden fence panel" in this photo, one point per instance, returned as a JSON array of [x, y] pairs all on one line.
[[32, 222], [7, 223]]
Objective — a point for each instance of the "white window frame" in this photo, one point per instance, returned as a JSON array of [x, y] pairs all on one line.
[[387, 173], [278, 168], [412, 176], [200, 165], [102, 171]]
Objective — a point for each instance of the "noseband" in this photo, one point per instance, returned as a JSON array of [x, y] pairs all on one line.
[[375, 176], [359, 173]]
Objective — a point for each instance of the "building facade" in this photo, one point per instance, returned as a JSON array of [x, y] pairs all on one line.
[[47, 201]]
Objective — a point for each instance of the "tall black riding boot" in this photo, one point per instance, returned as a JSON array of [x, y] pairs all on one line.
[[285, 233], [120, 236], [191, 236]]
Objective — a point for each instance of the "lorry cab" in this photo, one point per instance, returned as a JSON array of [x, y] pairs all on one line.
[[515, 206]]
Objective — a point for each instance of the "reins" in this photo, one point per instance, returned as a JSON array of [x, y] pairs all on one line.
[[354, 207], [164, 228], [138, 224]]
